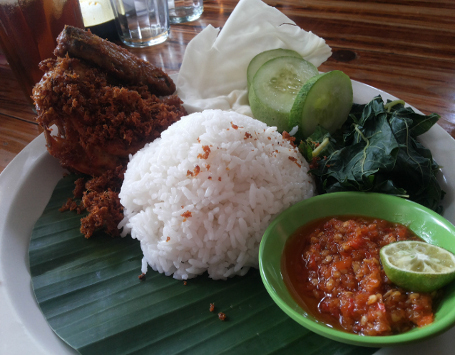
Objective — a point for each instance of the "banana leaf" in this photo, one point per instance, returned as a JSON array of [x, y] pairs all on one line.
[[91, 296]]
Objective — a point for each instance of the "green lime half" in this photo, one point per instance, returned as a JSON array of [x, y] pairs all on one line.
[[418, 266]]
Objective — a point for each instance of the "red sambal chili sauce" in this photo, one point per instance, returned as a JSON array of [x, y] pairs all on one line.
[[332, 269]]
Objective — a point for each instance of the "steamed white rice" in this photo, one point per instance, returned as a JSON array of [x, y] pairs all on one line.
[[200, 197]]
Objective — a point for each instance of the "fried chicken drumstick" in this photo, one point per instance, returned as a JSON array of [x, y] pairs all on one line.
[[105, 104], [113, 59]]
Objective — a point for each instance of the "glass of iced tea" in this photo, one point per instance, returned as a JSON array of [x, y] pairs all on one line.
[[28, 33]]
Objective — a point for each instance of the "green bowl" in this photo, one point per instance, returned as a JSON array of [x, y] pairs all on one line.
[[425, 223]]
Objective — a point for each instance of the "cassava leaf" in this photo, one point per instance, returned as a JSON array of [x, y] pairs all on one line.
[[376, 150], [419, 123], [90, 294]]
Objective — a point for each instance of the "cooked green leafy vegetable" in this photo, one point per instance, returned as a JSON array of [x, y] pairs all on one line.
[[376, 150]]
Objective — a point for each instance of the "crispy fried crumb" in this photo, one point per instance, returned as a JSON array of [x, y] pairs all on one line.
[[102, 203], [294, 159], [222, 316], [79, 187], [197, 170], [105, 211], [186, 214], [289, 138], [72, 205], [206, 149], [99, 197]]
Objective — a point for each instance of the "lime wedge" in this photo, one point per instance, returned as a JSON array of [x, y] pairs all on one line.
[[418, 266]]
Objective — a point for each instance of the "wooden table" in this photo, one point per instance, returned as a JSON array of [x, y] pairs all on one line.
[[403, 47]]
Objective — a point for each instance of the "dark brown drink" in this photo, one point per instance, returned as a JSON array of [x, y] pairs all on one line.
[[28, 32], [105, 30], [99, 18]]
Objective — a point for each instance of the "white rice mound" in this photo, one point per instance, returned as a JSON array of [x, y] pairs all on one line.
[[200, 197]]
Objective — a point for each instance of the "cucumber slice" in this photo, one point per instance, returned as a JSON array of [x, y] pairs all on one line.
[[264, 57], [274, 88], [325, 100]]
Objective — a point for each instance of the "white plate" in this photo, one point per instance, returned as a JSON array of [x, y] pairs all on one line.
[[25, 188]]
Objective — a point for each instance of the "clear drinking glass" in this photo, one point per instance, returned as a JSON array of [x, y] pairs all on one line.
[[185, 10], [141, 23]]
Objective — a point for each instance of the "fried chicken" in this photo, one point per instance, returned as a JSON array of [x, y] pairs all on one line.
[[99, 124], [113, 59], [97, 104]]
